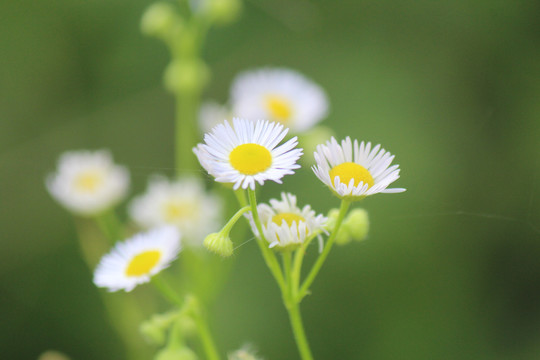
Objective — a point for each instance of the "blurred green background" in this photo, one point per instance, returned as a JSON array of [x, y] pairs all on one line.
[[451, 268]]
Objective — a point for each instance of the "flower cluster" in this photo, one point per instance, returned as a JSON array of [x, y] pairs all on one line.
[[243, 153]]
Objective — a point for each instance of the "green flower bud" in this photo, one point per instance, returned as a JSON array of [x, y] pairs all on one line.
[[159, 20], [187, 325], [186, 76], [182, 353], [332, 218], [224, 11], [357, 224], [154, 329], [343, 236], [219, 243]]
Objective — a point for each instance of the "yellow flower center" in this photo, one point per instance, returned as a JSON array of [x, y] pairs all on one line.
[[250, 159], [88, 181], [174, 211], [349, 170], [142, 263], [288, 218], [279, 107]]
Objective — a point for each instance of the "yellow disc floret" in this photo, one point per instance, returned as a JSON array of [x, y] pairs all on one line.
[[250, 159], [88, 181], [349, 170], [279, 107], [142, 263], [174, 211], [288, 217]]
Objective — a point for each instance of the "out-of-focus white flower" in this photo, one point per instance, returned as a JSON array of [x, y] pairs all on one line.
[[354, 171], [212, 113], [136, 260], [280, 95], [248, 152], [88, 182], [284, 224], [182, 203]]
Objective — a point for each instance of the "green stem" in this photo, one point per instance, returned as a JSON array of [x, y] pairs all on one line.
[[110, 225], [292, 304], [227, 228], [291, 290], [187, 104], [298, 331], [167, 291], [268, 255], [204, 333], [328, 246]]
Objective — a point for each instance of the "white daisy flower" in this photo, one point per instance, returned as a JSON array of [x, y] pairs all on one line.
[[284, 224], [182, 203], [87, 182], [247, 152], [136, 260], [280, 95], [355, 171], [212, 113]]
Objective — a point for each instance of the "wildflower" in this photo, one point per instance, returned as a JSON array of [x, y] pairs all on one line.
[[279, 95], [87, 182], [137, 259], [355, 171], [284, 224], [247, 152], [182, 203]]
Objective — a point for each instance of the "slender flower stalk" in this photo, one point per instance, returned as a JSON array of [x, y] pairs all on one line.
[[268, 255], [287, 277], [322, 257], [110, 225]]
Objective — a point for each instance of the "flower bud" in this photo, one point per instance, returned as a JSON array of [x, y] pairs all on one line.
[[154, 329], [224, 11], [186, 75], [332, 218], [357, 223], [159, 19], [219, 243], [182, 353], [343, 236]]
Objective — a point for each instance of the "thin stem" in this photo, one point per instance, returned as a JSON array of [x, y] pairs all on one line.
[[268, 255], [187, 104], [204, 333], [167, 291], [297, 269], [110, 225], [298, 331], [328, 246], [291, 290], [227, 228]]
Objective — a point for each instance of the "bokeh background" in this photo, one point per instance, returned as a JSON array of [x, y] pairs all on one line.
[[451, 268]]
